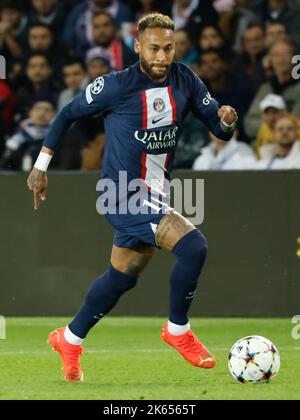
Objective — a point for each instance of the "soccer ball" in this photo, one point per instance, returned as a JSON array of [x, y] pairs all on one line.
[[253, 359]]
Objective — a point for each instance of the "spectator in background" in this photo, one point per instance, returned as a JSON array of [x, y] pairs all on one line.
[[93, 148], [275, 32], [24, 146], [41, 40], [273, 108], [141, 8], [96, 67], [192, 15], [83, 145], [234, 90], [211, 37], [222, 155], [280, 83], [249, 63], [39, 85], [76, 80], [78, 34], [282, 11], [185, 52], [105, 43], [12, 29], [193, 137], [243, 17], [50, 13], [285, 153], [7, 104]]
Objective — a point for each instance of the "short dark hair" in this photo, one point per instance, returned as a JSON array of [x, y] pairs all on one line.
[[38, 54], [49, 101], [155, 20], [218, 52], [255, 25], [12, 4], [104, 13], [74, 60], [40, 25]]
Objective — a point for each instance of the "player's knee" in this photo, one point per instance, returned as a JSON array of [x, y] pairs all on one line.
[[134, 265], [201, 245], [192, 247]]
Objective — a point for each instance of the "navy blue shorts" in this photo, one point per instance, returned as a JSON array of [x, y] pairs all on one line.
[[135, 230]]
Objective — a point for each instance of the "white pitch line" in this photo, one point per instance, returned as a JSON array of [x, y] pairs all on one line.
[[104, 351], [22, 352]]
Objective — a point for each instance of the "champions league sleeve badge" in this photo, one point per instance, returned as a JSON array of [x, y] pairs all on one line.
[[97, 86]]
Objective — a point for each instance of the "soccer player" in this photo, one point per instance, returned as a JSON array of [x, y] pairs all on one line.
[[144, 107]]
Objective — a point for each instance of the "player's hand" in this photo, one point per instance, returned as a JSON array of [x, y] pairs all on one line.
[[228, 115], [37, 183]]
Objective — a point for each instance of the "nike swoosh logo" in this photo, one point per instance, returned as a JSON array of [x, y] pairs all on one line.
[[154, 121]]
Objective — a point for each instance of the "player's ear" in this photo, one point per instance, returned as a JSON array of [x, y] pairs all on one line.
[[137, 46]]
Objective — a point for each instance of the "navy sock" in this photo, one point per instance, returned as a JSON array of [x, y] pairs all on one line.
[[191, 253], [101, 298]]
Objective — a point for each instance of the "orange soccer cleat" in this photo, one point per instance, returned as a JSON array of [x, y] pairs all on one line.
[[69, 353], [190, 348]]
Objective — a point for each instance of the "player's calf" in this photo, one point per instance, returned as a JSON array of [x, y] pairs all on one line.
[[189, 246]]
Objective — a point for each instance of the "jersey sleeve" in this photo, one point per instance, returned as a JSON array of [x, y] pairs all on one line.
[[202, 104], [100, 96], [206, 108]]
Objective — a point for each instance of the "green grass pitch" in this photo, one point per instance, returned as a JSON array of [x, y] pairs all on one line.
[[126, 359]]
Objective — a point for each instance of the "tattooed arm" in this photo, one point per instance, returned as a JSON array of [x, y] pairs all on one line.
[[37, 182], [100, 96]]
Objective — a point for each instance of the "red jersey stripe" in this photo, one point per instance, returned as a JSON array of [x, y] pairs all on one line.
[[145, 111], [173, 104]]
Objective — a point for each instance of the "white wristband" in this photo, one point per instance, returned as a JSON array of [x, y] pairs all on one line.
[[227, 128], [43, 161]]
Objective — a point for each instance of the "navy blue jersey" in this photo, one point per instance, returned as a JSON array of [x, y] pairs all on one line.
[[143, 119]]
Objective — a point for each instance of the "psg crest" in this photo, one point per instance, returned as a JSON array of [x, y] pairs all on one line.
[[159, 105], [97, 86]]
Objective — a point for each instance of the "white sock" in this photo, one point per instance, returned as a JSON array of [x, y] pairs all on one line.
[[72, 338], [175, 329]]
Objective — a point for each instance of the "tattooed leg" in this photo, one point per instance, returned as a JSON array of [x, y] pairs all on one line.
[[171, 229], [129, 261], [104, 294], [175, 233]]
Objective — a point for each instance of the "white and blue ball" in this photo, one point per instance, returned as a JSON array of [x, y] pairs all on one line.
[[254, 359]]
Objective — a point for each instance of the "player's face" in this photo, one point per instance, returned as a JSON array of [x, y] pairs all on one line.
[[156, 48]]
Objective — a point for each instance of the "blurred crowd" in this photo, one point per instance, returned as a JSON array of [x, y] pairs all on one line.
[[244, 50]]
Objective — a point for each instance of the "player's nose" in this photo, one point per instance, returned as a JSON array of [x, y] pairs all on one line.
[[161, 56]]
